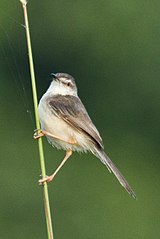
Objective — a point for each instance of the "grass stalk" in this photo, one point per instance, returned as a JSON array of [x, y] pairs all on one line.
[[40, 145]]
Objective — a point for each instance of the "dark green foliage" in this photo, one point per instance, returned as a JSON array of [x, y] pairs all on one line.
[[112, 50]]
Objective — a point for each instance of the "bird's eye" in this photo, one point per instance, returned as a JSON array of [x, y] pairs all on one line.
[[68, 84]]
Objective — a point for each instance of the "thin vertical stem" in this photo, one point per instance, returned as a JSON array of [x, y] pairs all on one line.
[[40, 145]]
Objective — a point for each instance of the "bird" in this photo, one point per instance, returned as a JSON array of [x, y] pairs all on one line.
[[66, 124]]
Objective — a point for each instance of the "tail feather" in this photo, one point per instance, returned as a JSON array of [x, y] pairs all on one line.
[[112, 168]]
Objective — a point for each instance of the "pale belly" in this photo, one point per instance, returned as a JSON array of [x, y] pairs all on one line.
[[59, 128]]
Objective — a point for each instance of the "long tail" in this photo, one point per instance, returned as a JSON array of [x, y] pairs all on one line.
[[112, 168]]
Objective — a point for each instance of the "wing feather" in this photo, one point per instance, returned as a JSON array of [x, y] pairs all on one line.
[[72, 111]]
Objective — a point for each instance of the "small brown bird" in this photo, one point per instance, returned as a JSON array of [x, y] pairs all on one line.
[[67, 125]]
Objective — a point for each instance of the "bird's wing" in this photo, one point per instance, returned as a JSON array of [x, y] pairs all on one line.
[[72, 111]]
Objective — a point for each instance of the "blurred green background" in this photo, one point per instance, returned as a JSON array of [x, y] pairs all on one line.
[[112, 48]]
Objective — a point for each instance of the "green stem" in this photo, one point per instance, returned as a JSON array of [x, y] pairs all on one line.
[[40, 145]]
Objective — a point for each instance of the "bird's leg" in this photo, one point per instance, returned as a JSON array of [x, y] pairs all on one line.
[[40, 133], [50, 178]]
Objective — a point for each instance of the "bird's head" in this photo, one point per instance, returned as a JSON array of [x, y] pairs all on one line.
[[63, 84]]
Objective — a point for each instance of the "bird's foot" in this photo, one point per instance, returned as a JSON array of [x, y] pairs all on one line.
[[47, 179], [38, 133]]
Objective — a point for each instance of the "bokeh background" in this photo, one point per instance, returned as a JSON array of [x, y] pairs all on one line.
[[112, 48]]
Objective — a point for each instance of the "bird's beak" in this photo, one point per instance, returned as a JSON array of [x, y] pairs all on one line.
[[54, 75]]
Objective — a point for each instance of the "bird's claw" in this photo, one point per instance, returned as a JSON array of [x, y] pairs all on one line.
[[37, 133], [46, 179]]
